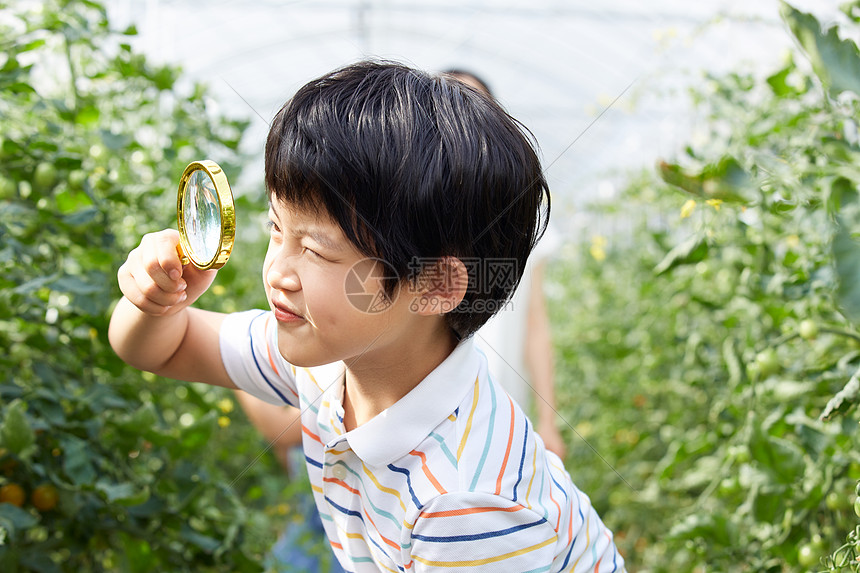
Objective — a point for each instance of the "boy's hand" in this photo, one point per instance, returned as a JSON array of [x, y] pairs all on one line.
[[154, 280]]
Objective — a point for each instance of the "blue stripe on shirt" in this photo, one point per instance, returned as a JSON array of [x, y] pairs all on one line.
[[522, 460], [477, 536], [257, 362], [353, 513], [405, 472]]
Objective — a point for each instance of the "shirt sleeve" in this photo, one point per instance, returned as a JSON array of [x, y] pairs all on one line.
[[249, 351], [481, 532]]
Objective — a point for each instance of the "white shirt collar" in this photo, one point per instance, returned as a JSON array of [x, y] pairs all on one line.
[[399, 429]]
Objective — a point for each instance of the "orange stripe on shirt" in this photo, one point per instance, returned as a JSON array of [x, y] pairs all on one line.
[[311, 434], [557, 506], [468, 511], [427, 471], [507, 451], [385, 539], [269, 348], [570, 521], [342, 484]]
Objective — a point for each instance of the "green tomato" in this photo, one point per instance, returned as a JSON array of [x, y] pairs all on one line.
[[807, 329], [729, 486], [740, 453], [45, 175], [857, 506], [808, 555], [7, 187], [77, 178], [836, 502], [767, 362]]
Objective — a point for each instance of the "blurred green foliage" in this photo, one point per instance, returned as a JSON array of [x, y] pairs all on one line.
[[711, 352], [150, 475]]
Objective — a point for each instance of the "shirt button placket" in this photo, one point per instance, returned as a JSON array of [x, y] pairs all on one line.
[[339, 472]]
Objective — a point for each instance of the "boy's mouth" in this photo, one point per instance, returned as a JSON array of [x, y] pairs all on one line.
[[284, 314]]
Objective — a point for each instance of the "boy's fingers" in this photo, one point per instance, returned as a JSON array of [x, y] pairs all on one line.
[[161, 262], [197, 280], [144, 293], [128, 286], [168, 256], [155, 293]]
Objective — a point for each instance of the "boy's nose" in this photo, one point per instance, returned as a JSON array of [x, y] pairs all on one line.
[[282, 274]]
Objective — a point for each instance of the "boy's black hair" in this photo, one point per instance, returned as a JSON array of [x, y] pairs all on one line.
[[413, 167]]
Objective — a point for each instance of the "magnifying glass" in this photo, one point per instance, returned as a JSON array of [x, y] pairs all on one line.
[[206, 216]]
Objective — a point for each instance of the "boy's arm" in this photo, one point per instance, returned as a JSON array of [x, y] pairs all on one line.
[[280, 426], [539, 360], [153, 327]]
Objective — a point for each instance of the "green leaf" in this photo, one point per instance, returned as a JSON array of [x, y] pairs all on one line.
[[88, 116], [844, 399], [197, 435], [39, 562], [123, 493], [713, 527], [846, 255], [725, 180], [16, 434], [777, 82], [204, 542], [75, 285], [14, 518], [782, 458], [30, 45], [692, 250], [76, 462], [835, 61], [137, 554]]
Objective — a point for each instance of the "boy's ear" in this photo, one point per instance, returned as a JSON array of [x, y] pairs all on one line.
[[440, 287]]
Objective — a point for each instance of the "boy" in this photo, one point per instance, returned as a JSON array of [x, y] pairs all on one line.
[[392, 192]]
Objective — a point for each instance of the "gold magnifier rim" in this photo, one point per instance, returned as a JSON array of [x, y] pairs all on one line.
[[228, 214]]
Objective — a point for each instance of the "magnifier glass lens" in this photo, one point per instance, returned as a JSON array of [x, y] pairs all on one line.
[[202, 215]]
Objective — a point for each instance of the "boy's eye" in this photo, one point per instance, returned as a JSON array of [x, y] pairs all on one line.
[[272, 226], [313, 253]]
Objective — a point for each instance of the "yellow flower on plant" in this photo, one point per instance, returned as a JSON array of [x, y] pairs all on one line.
[[688, 208], [225, 405], [598, 248], [792, 241], [715, 203], [223, 421], [584, 429], [218, 290]]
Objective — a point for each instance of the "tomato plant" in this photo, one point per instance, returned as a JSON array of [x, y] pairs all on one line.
[[103, 467], [710, 354]]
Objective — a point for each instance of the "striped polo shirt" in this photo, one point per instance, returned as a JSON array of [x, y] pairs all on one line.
[[452, 476]]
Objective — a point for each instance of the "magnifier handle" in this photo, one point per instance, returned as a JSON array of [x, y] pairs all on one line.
[[182, 258]]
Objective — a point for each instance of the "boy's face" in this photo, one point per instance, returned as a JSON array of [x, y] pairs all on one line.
[[310, 276]]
